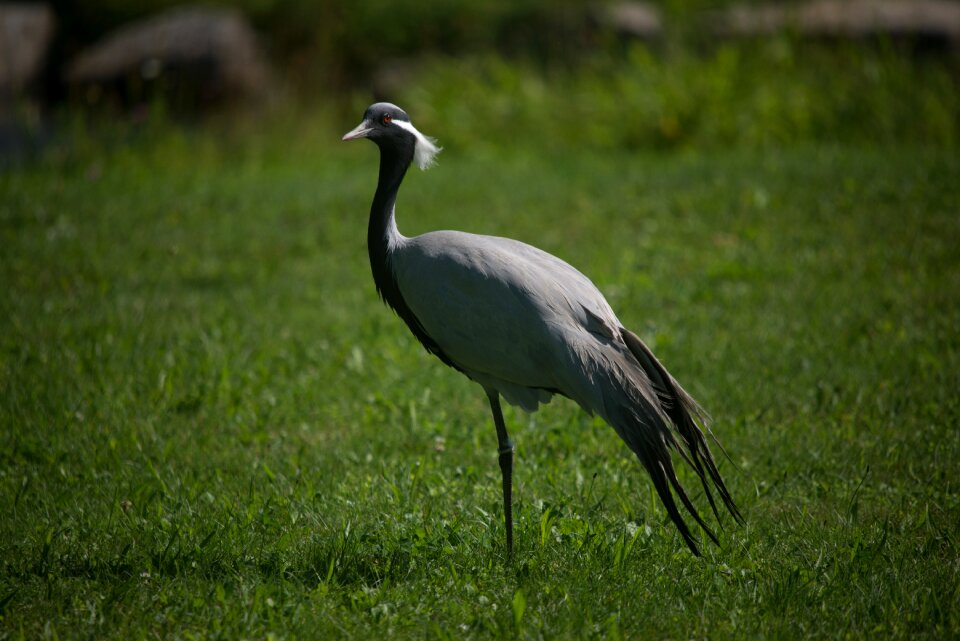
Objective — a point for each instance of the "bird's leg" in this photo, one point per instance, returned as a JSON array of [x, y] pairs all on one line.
[[505, 449]]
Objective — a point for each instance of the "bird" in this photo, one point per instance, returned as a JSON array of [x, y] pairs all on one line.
[[525, 325]]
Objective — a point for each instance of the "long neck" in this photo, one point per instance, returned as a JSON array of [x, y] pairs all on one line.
[[382, 233], [383, 239]]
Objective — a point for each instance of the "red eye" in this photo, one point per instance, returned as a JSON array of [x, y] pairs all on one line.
[[386, 119]]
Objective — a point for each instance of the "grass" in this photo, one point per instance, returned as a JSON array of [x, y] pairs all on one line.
[[770, 93], [213, 429]]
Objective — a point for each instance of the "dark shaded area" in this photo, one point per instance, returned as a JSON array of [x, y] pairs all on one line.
[[688, 72], [329, 47], [334, 44]]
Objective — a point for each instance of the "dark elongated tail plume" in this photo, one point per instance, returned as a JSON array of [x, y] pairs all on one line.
[[647, 431], [683, 410]]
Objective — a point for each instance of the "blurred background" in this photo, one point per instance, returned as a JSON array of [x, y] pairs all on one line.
[[627, 74]]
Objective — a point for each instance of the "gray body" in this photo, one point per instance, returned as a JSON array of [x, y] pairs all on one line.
[[526, 325], [510, 316]]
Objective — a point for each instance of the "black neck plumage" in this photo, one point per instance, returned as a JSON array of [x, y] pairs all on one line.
[[383, 239]]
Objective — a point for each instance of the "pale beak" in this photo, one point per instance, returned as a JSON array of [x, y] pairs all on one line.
[[360, 131]]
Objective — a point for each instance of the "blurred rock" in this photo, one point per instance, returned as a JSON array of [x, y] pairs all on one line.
[[637, 20], [193, 56], [25, 33], [937, 20]]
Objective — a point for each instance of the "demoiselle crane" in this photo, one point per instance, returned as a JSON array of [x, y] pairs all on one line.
[[525, 325]]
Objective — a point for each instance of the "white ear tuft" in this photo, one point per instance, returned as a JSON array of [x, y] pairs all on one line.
[[426, 149], [425, 155]]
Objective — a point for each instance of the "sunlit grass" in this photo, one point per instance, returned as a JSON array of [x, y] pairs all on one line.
[[213, 428]]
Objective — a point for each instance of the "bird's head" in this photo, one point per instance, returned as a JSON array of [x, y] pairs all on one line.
[[389, 126]]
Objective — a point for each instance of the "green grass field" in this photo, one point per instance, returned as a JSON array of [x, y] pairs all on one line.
[[211, 427]]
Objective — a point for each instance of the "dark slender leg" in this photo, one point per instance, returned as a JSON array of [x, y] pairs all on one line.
[[506, 465]]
